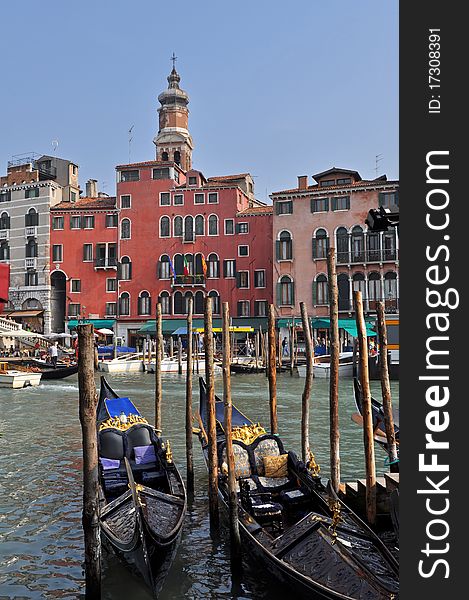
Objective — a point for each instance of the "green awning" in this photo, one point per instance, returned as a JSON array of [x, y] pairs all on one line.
[[170, 325], [97, 323], [349, 325]]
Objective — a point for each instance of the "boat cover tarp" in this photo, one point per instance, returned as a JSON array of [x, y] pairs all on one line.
[[115, 406], [238, 419]]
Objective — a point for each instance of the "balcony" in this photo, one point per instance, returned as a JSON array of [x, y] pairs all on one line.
[[368, 256], [4, 234], [30, 262], [391, 305], [30, 231], [188, 281], [105, 263]]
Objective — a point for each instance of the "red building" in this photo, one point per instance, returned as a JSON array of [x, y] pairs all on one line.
[[174, 235], [84, 259]]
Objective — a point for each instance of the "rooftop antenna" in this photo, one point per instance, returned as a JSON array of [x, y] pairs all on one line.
[[55, 145], [378, 159], [130, 141]]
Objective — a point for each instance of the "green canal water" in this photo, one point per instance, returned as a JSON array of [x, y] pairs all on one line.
[[41, 546]]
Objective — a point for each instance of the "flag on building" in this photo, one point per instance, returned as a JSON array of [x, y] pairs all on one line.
[[204, 266], [171, 267], [186, 266]]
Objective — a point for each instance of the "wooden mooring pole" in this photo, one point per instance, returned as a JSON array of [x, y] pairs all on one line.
[[367, 416], [292, 346], [189, 451], [272, 372], [232, 494], [334, 431], [88, 401], [211, 417], [256, 350], [386, 388], [305, 401], [158, 359], [179, 355], [171, 347]]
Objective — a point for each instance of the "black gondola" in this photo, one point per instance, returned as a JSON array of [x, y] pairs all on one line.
[[377, 412], [142, 495], [303, 534], [59, 372]]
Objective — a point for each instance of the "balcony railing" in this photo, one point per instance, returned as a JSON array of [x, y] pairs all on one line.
[[30, 262], [105, 263], [30, 231], [368, 256], [391, 305], [188, 280], [4, 234]]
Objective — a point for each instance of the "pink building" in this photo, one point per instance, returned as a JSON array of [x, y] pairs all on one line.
[[309, 219]]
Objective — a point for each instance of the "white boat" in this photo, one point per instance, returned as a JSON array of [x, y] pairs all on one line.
[[127, 363], [171, 365], [322, 366], [12, 378]]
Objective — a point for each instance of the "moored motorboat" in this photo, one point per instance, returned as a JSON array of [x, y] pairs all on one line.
[[322, 366], [17, 379], [292, 523], [171, 365], [126, 363], [142, 495]]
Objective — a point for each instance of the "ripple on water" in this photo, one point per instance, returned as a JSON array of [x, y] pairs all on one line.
[[41, 546]]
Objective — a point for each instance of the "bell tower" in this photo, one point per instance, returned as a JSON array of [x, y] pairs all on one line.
[[173, 141]]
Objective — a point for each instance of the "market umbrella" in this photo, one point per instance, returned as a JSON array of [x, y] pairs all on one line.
[[105, 331]]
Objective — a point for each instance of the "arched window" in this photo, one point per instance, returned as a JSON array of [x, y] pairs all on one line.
[[124, 304], [32, 304], [125, 269], [177, 157], [165, 300], [189, 229], [342, 238], [359, 284], [213, 265], [4, 221], [164, 227], [31, 248], [215, 302], [164, 267], [320, 290], [125, 229], [358, 244], [178, 303], [4, 251], [374, 289], [144, 304], [390, 291], [177, 226], [343, 289], [389, 244], [373, 246], [164, 156], [199, 225], [286, 291], [187, 296], [320, 244], [284, 247], [32, 218], [213, 225], [178, 263], [199, 303]]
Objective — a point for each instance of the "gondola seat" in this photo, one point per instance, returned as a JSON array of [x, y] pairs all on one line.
[[263, 447], [261, 506], [112, 446], [139, 436]]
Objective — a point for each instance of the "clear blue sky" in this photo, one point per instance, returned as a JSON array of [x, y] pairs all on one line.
[[276, 88]]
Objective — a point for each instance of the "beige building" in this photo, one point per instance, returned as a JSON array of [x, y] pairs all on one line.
[[32, 185], [331, 212]]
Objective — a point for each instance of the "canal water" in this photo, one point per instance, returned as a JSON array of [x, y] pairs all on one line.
[[41, 546]]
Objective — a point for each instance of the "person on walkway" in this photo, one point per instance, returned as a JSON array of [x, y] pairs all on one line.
[[54, 353], [284, 347]]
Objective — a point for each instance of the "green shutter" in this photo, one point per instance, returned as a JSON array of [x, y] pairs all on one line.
[[348, 203], [315, 248], [327, 204], [327, 245], [277, 208], [293, 293], [381, 199], [334, 203], [313, 205], [238, 280], [315, 293], [279, 294], [277, 249]]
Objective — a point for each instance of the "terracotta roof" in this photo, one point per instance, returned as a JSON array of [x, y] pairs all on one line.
[[257, 210], [229, 177], [106, 203], [325, 189]]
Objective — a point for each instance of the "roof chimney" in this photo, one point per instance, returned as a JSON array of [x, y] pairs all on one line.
[[91, 188], [302, 182]]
